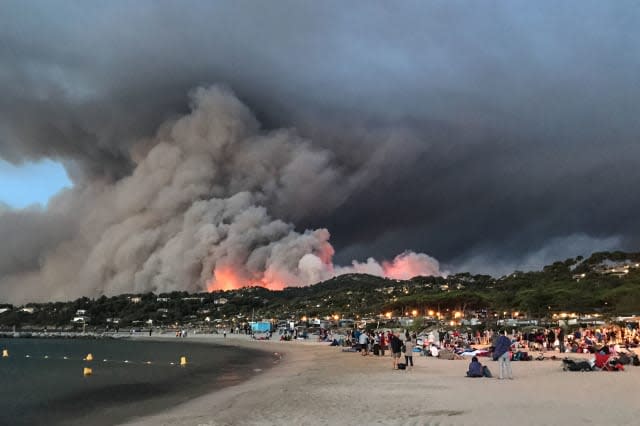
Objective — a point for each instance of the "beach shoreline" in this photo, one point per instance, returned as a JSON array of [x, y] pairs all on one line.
[[319, 385], [129, 377]]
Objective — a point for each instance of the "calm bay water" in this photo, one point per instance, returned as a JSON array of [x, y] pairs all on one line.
[[45, 388]]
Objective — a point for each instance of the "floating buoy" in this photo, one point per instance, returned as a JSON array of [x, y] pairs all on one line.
[[5, 353], [64, 357], [27, 356], [104, 360], [89, 357], [46, 357], [126, 361], [172, 363], [87, 371], [148, 363], [183, 360]]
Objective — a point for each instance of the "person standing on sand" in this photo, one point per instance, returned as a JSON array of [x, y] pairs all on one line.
[[502, 354], [408, 352], [363, 339], [396, 349]]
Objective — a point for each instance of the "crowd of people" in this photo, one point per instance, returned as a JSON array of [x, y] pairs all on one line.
[[378, 343], [581, 340], [502, 347]]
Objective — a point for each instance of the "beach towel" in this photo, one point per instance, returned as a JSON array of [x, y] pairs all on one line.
[[446, 354]]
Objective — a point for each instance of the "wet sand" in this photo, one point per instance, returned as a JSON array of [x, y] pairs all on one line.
[[320, 385]]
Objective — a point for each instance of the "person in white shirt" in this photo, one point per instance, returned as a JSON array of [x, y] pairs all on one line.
[[364, 342], [434, 350]]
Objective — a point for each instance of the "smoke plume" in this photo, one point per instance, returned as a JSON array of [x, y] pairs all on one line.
[[195, 214]]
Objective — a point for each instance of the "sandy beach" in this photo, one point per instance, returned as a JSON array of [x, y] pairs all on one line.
[[314, 384]]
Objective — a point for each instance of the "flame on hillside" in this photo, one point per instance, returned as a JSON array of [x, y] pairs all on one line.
[[404, 266]]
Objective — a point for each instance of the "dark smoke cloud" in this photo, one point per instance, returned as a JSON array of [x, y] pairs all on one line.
[[491, 136], [193, 215]]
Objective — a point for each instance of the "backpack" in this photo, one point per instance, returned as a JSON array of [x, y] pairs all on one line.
[[486, 372], [402, 366]]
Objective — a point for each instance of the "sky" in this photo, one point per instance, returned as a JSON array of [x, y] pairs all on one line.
[[469, 136], [33, 183]]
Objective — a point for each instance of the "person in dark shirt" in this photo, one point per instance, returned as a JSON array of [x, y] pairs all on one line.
[[475, 368], [502, 354], [396, 349]]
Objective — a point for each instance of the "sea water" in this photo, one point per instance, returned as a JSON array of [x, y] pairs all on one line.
[[42, 380]]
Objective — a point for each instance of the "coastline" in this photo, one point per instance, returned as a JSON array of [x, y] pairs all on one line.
[[319, 385], [131, 377]]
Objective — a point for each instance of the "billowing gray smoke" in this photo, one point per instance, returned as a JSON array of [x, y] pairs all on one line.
[[494, 135], [195, 214]]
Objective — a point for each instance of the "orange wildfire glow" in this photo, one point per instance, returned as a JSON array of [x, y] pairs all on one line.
[[326, 253], [405, 266], [225, 278]]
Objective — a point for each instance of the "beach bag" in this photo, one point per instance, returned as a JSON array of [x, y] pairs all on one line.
[[579, 366], [402, 366], [636, 360], [624, 359], [486, 372]]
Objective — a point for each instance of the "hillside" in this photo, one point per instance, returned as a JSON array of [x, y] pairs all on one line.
[[603, 284]]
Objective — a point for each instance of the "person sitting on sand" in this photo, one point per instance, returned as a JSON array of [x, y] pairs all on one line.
[[434, 350], [475, 368]]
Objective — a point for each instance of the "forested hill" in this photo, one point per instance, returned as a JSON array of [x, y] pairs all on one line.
[[605, 283]]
